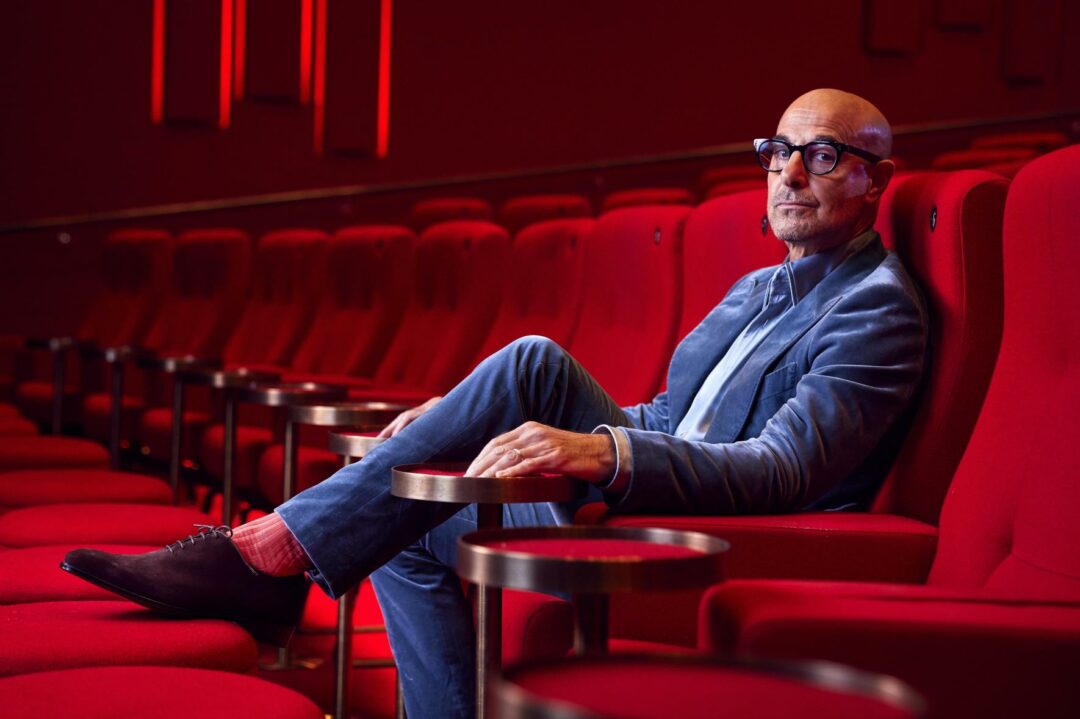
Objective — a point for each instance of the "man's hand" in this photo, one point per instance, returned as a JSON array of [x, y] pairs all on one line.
[[533, 448], [406, 418]]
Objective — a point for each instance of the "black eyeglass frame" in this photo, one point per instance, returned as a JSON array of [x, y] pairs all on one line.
[[840, 148]]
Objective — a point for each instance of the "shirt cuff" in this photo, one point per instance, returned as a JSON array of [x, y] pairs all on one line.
[[624, 460]]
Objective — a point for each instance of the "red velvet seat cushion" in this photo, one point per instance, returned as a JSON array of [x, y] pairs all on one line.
[[50, 452], [442, 209], [34, 575], [17, 427], [53, 486], [160, 692], [969, 653], [98, 523], [34, 398], [8, 410], [632, 688], [42, 636]]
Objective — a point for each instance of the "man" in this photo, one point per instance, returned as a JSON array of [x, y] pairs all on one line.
[[782, 399]]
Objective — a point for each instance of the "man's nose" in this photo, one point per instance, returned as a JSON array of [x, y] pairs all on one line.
[[794, 173]]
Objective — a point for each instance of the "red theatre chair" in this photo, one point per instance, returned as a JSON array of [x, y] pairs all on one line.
[[520, 212], [289, 268], [732, 186], [426, 213], [456, 295], [361, 303], [135, 265], [209, 280], [646, 196], [945, 228], [993, 629]]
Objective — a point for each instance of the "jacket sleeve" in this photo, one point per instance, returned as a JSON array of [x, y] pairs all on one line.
[[865, 358], [652, 416]]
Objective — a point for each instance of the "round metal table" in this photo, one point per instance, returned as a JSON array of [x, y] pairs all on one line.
[[435, 482], [589, 563], [355, 444], [697, 687]]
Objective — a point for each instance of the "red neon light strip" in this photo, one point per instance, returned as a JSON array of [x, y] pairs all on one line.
[[319, 98], [382, 131], [306, 10], [239, 49], [225, 95], [157, 65]]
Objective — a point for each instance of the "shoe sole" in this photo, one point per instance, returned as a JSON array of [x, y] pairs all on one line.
[[277, 635]]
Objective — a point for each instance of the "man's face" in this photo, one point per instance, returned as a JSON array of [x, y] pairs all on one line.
[[818, 211]]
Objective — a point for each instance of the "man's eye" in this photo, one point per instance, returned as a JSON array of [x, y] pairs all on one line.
[[783, 153]]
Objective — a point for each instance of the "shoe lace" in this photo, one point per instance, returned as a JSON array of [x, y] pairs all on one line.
[[205, 532]]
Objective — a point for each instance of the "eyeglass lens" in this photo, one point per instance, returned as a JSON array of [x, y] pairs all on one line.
[[818, 157]]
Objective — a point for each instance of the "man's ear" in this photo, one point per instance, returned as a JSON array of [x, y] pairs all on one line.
[[880, 175]]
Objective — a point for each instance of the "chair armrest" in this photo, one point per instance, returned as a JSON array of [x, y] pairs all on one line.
[[854, 546]]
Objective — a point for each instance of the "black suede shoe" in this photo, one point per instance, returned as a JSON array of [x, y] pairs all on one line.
[[202, 576]]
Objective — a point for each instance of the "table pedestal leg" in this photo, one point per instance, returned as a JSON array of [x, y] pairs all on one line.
[[590, 624], [343, 654], [288, 481], [59, 359], [116, 413], [176, 441], [488, 618], [229, 452]]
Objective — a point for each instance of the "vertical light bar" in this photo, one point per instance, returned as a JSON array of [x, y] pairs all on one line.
[[383, 126], [239, 49], [225, 88], [157, 65], [306, 20], [319, 97]]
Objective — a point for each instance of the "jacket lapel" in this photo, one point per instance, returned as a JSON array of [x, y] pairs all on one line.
[[735, 403], [702, 349]]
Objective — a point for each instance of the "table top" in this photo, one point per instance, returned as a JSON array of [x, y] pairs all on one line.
[[176, 363], [445, 482], [590, 560], [343, 413], [692, 687], [227, 378], [289, 394], [356, 443]]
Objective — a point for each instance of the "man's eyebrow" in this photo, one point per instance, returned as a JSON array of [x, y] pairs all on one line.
[[785, 138], [826, 138]]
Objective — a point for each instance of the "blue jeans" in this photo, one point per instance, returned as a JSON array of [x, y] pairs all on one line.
[[352, 527]]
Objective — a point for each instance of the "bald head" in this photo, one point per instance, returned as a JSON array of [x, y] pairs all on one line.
[[815, 212], [861, 122]]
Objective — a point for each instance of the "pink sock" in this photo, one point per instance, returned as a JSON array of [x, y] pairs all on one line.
[[267, 545]]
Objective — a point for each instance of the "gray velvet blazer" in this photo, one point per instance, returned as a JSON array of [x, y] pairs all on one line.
[[812, 418]]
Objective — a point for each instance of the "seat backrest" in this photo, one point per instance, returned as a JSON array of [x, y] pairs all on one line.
[[456, 291], [647, 196], [520, 212], [946, 227], [1041, 140], [541, 289], [981, 157], [369, 271], [729, 187], [631, 299], [1009, 523], [135, 272], [725, 238], [745, 170], [210, 272], [288, 269], [442, 209]]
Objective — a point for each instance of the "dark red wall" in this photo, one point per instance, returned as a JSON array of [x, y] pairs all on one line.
[[483, 85]]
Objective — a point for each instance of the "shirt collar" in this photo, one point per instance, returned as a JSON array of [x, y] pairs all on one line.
[[804, 274]]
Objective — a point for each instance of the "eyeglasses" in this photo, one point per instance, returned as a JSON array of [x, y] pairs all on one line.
[[819, 157]]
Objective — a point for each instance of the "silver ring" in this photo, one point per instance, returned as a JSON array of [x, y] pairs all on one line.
[[515, 453]]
